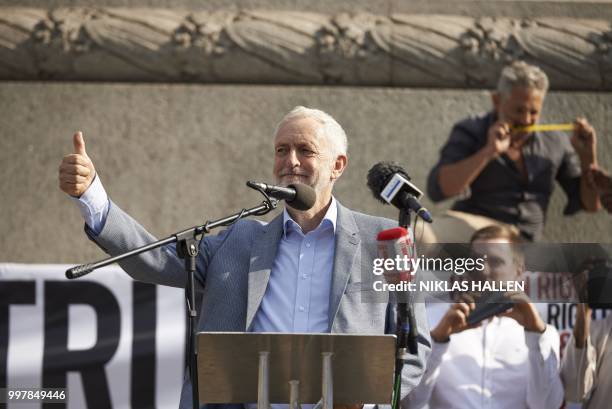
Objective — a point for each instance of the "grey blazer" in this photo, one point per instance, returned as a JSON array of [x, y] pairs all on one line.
[[234, 268]]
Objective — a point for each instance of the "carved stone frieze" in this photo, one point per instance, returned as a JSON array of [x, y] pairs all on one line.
[[284, 47]]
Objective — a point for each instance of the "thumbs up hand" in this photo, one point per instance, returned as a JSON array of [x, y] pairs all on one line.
[[76, 171]]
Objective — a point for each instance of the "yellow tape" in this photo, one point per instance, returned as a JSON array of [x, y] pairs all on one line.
[[544, 128]]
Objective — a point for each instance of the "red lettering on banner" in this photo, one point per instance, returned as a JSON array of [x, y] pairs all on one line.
[[556, 287], [543, 287], [563, 339]]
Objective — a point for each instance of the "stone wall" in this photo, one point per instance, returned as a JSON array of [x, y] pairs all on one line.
[[176, 154]]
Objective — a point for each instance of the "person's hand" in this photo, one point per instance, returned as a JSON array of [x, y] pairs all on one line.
[[498, 138], [602, 182], [454, 321], [580, 282], [76, 172], [582, 326], [584, 141], [524, 312]]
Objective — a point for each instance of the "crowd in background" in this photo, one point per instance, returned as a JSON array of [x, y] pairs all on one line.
[[502, 170]]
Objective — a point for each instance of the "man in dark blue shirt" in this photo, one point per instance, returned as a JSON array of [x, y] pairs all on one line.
[[507, 174]]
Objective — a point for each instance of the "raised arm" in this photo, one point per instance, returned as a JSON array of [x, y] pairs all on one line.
[[584, 141], [454, 178]]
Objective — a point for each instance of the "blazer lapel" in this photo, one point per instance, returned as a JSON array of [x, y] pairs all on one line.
[[263, 253], [347, 249]]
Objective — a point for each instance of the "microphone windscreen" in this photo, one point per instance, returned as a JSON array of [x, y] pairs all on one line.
[[305, 197], [380, 174], [395, 242], [392, 234]]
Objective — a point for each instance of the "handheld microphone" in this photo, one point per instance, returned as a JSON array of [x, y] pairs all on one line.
[[390, 184], [298, 195], [398, 244]]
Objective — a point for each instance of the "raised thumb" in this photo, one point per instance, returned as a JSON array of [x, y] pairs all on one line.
[[79, 143]]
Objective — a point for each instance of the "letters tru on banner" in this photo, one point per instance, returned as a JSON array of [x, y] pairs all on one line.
[[108, 340]]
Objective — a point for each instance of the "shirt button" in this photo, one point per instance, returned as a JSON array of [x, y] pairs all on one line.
[[302, 309], [304, 276], [307, 244]]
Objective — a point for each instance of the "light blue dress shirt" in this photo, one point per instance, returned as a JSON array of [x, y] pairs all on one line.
[[94, 205], [297, 297]]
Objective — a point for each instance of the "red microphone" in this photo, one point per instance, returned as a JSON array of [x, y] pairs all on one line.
[[398, 244]]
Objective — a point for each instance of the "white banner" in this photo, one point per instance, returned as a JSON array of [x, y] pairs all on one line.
[[554, 293], [110, 341]]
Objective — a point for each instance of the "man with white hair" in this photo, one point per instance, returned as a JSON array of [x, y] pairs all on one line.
[[503, 172], [300, 273]]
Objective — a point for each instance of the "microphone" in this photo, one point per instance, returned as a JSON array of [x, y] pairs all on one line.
[[398, 244], [78, 271], [395, 242], [298, 195], [390, 184]]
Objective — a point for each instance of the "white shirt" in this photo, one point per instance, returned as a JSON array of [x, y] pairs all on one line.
[[498, 365], [94, 205], [587, 372]]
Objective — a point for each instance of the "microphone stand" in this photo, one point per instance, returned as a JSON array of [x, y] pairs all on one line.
[[187, 248], [407, 332]]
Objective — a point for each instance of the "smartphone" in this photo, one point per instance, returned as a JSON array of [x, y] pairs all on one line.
[[488, 305]]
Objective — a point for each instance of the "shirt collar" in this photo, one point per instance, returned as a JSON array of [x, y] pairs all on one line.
[[329, 219]]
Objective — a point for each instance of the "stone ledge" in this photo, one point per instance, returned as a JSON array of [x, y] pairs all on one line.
[[285, 47]]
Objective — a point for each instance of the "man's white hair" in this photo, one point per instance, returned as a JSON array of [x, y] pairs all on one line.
[[329, 126], [523, 75]]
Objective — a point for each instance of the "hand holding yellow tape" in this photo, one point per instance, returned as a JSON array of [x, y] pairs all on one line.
[[544, 127]]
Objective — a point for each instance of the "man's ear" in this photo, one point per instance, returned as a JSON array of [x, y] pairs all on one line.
[[338, 167]]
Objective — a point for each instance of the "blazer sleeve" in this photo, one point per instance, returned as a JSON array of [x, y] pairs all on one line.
[[162, 265]]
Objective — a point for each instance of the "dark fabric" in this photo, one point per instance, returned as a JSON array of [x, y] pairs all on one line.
[[500, 192]]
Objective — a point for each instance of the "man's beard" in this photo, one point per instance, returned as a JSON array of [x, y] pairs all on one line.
[[318, 184], [291, 179]]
